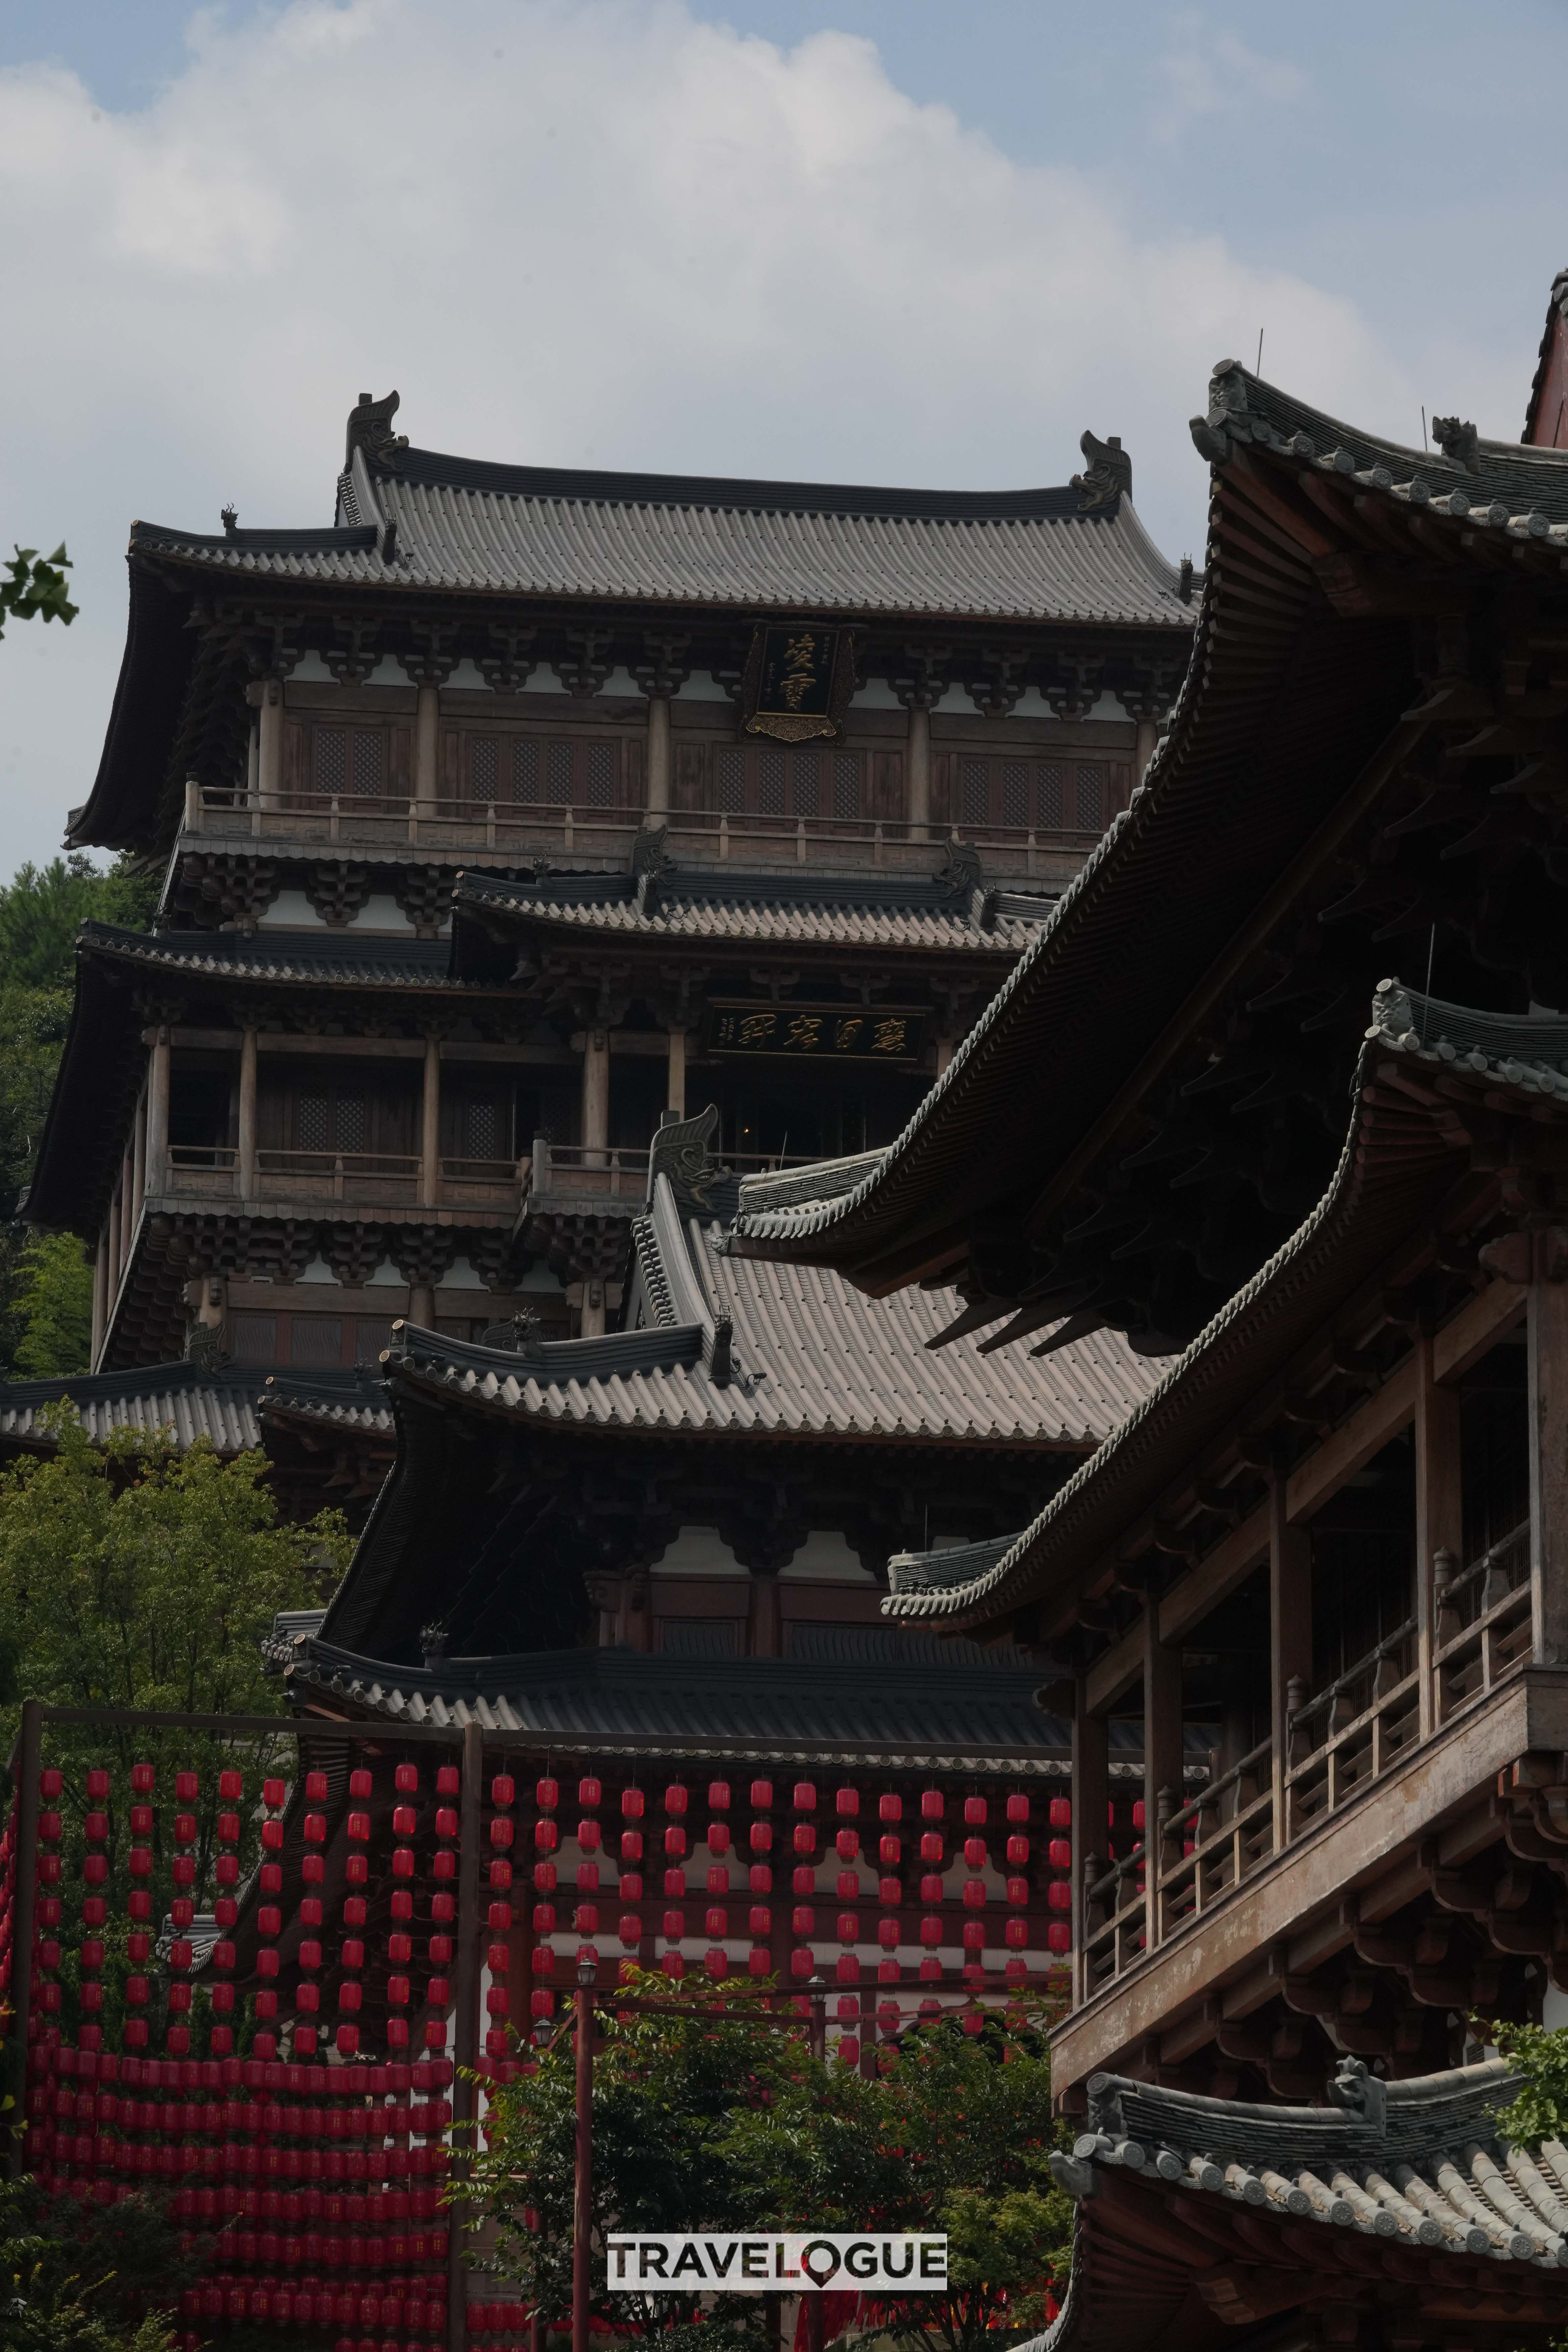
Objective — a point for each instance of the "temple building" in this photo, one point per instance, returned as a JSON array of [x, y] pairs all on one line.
[[1325, 1203], [542, 851]]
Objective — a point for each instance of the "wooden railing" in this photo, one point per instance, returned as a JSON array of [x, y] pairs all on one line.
[[368, 1179], [1341, 1738], [1218, 1838], [515, 825], [1351, 1731], [1483, 1622]]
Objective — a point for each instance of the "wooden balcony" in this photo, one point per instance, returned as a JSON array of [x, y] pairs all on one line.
[[357, 1180], [509, 831]]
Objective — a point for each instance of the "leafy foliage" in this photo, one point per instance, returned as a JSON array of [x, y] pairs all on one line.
[[131, 1576], [53, 1306], [719, 2122], [46, 1299], [955, 2135], [84, 2277], [33, 587], [1538, 2056], [665, 2093]]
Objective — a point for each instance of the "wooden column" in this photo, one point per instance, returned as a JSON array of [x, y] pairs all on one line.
[[595, 1098], [128, 1204], [111, 1229], [657, 757], [919, 766], [269, 744], [767, 1621], [1144, 748], [1439, 1508], [430, 1121], [1091, 1808], [674, 1094], [253, 761], [1162, 1744], [142, 1168], [1547, 1347], [427, 750], [158, 1108], [944, 1051], [99, 1297], [1290, 1631], [590, 1314], [247, 1129]]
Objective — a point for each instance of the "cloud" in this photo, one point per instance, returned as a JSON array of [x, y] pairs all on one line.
[[1207, 73], [570, 231]]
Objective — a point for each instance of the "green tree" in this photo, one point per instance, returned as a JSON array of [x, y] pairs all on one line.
[[1539, 2057], [53, 1306], [132, 1576], [79, 2277], [33, 587], [666, 2090], [717, 2122], [41, 910], [954, 2133]]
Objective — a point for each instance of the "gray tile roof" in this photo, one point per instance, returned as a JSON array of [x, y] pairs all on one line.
[[317, 958], [1415, 2166], [761, 1707], [766, 909], [179, 1397], [812, 1358], [1509, 488], [1033, 555], [1390, 1163], [226, 1406]]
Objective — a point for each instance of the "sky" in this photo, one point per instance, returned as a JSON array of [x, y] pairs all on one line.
[[907, 241]]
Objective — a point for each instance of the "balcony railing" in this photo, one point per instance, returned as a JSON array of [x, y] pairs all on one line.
[[509, 827], [210, 1171], [619, 1172], [1353, 1729], [1341, 1738], [1484, 1621]]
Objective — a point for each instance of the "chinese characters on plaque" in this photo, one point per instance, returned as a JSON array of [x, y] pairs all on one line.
[[823, 1032], [797, 682]]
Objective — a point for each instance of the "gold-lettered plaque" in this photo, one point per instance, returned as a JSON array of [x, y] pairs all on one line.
[[818, 1033], [798, 681]]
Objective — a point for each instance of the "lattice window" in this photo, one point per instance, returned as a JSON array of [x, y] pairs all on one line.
[[1050, 801], [483, 760], [976, 791], [316, 1339], [483, 1131], [770, 783], [730, 781], [332, 759], [370, 762], [808, 782], [351, 1122], [601, 775], [525, 767], [1015, 792], [372, 1334], [846, 784], [1090, 799], [311, 1123], [559, 770]]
